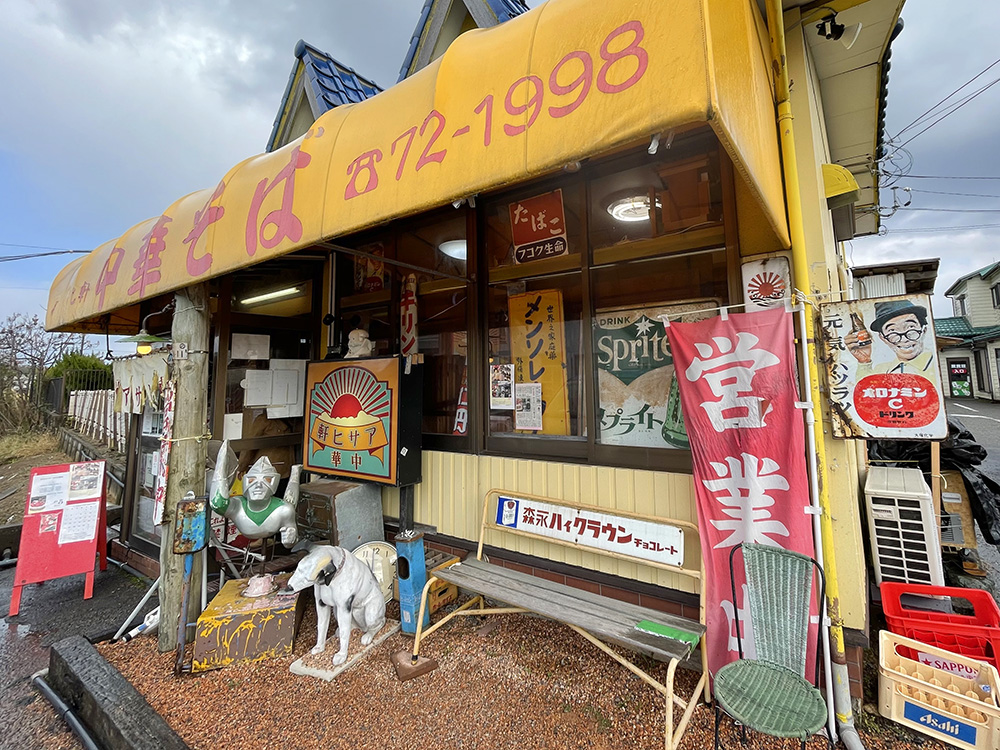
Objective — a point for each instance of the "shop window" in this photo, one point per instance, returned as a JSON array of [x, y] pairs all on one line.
[[983, 379], [655, 199], [443, 340], [278, 292], [534, 357], [145, 533], [433, 250], [437, 244], [535, 230], [638, 403]]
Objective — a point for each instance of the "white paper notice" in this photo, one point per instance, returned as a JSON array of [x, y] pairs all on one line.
[[295, 406], [284, 388], [528, 406], [48, 492], [79, 522], [232, 426], [250, 346], [258, 388]]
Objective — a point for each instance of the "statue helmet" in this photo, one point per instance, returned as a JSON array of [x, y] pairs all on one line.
[[262, 471]]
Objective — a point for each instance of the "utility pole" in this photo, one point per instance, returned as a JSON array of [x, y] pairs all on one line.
[[188, 453]]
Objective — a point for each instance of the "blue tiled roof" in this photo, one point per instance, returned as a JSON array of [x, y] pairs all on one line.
[[331, 83], [507, 9], [504, 10]]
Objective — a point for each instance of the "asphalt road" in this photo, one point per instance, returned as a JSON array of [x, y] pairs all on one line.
[[51, 611], [982, 419]]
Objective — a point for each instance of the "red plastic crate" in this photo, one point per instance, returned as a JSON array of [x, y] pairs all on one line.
[[976, 635]]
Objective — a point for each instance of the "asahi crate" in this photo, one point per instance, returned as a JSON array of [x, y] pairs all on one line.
[[948, 697], [441, 592]]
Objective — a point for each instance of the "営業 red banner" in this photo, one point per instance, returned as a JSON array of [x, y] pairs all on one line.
[[738, 387]]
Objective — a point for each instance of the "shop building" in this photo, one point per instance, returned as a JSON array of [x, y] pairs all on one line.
[[603, 164], [970, 357]]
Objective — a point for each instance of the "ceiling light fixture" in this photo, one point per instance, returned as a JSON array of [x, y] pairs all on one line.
[[631, 208], [268, 296], [457, 249], [846, 35]]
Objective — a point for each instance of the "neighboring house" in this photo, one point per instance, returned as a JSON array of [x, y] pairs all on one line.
[[317, 84], [969, 341]]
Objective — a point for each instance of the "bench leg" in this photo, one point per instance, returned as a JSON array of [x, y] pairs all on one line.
[[420, 618], [704, 671], [669, 735], [421, 633]]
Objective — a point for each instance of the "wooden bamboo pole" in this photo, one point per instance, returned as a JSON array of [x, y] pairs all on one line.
[[188, 454]]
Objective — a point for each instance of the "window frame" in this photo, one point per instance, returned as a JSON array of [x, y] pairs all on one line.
[[721, 237]]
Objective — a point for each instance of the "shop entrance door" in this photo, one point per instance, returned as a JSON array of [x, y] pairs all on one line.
[[959, 378]]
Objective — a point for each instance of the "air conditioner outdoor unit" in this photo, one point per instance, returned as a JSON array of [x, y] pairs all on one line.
[[903, 527]]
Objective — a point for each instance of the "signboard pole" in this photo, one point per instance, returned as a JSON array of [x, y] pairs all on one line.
[[936, 473]]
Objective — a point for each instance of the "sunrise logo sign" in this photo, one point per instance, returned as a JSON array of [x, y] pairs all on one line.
[[352, 426]]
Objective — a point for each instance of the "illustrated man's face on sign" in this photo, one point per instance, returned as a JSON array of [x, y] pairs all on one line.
[[904, 334]]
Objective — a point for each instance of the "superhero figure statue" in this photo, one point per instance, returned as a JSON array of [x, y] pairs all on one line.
[[257, 513]]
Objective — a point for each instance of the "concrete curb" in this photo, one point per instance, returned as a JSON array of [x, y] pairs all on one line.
[[115, 714]]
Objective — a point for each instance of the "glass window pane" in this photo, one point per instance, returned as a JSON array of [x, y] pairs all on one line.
[[535, 225], [437, 243], [535, 351], [442, 339], [638, 402], [684, 194]]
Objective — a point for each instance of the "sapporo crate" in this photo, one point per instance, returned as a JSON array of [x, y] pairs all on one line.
[[441, 592], [938, 698]]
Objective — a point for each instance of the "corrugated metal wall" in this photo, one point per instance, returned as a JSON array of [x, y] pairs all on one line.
[[880, 285], [450, 498]]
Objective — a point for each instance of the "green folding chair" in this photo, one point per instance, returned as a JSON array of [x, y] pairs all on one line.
[[770, 693]]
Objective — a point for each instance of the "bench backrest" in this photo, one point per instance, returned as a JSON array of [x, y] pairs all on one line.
[[656, 542]]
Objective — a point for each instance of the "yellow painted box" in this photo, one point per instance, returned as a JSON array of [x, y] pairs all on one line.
[[238, 628]]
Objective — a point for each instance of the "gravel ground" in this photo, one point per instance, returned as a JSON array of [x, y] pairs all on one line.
[[527, 683]]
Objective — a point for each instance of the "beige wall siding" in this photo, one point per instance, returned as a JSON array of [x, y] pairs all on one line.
[[979, 302], [450, 498]]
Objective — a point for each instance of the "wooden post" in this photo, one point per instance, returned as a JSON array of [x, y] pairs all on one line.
[[187, 454]]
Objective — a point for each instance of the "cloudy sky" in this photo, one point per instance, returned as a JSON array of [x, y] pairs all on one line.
[[114, 109]]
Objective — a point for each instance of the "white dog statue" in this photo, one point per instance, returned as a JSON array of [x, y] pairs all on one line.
[[343, 583]]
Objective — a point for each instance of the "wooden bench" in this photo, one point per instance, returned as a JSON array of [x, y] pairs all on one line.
[[655, 542]]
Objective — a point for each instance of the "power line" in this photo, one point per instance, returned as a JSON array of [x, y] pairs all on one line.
[[943, 192], [945, 177], [927, 112], [41, 247], [959, 228], [952, 111], [6, 258], [951, 210]]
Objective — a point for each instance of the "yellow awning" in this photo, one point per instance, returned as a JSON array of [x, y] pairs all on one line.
[[568, 80]]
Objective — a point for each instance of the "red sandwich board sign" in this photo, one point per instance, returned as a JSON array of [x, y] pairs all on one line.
[[65, 526]]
